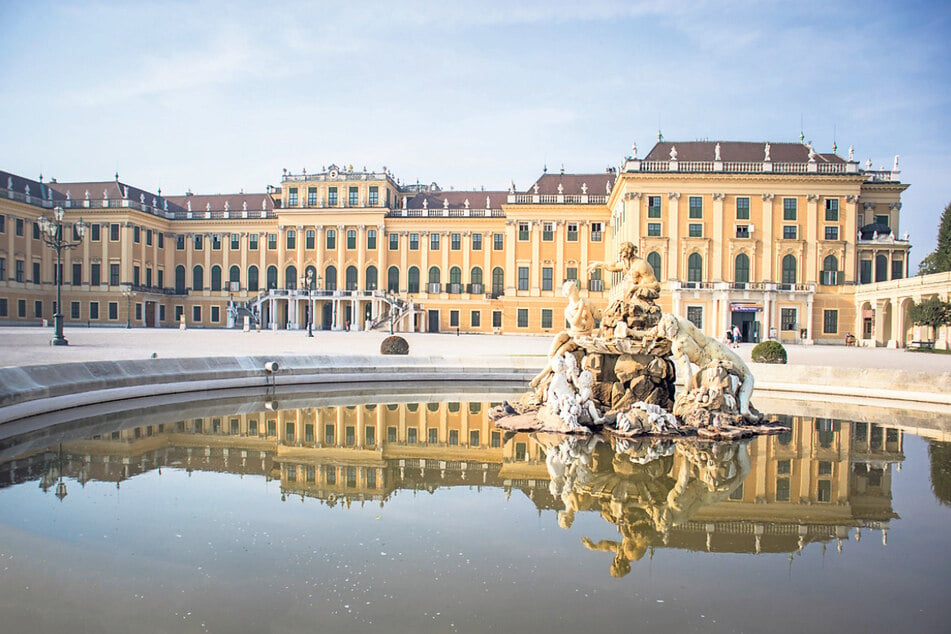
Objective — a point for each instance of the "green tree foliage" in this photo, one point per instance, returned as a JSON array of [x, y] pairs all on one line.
[[940, 454], [930, 312], [939, 260]]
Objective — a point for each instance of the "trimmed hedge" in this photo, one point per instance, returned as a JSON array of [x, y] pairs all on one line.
[[769, 352], [394, 344]]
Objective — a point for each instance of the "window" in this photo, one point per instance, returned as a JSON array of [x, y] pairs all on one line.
[[546, 318], [434, 241], [393, 280], [881, 268], [290, 239], [311, 196], [196, 314], [331, 239], [198, 242], [36, 274], [198, 278], [597, 231], [653, 258], [330, 278], [789, 270], [94, 310], [453, 318], [21, 308], [351, 278], [252, 242], [455, 280], [790, 232], [832, 232], [136, 234], [594, 282], [114, 274], [113, 232], [742, 208], [694, 267], [414, 242], [135, 275], [548, 231], [696, 206], [571, 273], [394, 241], [309, 239], [898, 269], [832, 209], [94, 232], [434, 281], [522, 231], [353, 197], [412, 280], [476, 241], [830, 271], [332, 196], [351, 238], [548, 274], [695, 316], [496, 318], [523, 278], [371, 239], [498, 241], [292, 197], [741, 269], [522, 318], [572, 232], [455, 241], [252, 278], [830, 322], [475, 280], [742, 231], [272, 241], [19, 227], [787, 319], [235, 241], [695, 230], [180, 242], [36, 230], [882, 220], [789, 209], [653, 206], [475, 319], [20, 271], [113, 310], [74, 310], [374, 195], [216, 278], [3, 223], [215, 314], [3, 269]]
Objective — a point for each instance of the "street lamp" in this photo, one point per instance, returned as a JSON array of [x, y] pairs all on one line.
[[129, 294], [310, 281], [52, 232]]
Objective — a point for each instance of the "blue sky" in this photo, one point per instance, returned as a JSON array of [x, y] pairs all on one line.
[[221, 96]]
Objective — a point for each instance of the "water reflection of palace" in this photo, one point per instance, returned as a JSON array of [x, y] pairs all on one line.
[[820, 482]]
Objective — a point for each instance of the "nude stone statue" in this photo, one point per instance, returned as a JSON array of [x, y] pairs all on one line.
[[639, 279], [580, 323]]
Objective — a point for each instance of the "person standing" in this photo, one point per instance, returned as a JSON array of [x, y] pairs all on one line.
[[737, 336]]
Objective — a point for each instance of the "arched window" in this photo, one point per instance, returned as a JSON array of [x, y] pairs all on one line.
[[351, 278], [830, 270], [311, 272], [252, 278], [434, 285], [741, 269], [234, 274], [271, 277], [475, 279], [290, 277], [498, 281], [393, 280], [789, 269], [371, 278], [179, 280], [455, 280], [413, 280], [198, 278], [695, 267], [881, 268], [330, 278], [653, 258], [216, 278]]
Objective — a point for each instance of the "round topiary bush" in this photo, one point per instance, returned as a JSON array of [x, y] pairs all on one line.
[[394, 344], [769, 352]]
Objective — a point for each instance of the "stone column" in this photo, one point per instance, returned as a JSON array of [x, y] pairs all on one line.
[[768, 237], [674, 271], [719, 221]]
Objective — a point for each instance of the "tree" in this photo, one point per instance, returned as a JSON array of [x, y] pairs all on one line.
[[930, 312], [939, 260]]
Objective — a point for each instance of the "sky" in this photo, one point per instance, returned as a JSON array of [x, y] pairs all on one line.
[[220, 97]]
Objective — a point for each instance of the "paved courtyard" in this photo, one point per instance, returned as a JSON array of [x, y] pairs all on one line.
[[21, 346]]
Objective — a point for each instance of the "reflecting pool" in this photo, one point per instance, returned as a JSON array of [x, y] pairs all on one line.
[[387, 511]]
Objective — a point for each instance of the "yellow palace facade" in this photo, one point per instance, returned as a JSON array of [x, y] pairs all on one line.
[[775, 240]]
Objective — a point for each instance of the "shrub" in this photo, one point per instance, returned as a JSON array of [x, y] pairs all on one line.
[[394, 344], [769, 352]]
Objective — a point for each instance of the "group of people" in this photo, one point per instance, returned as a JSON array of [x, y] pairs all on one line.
[[734, 337]]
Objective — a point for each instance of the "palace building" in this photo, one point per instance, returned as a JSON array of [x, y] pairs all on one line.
[[774, 238]]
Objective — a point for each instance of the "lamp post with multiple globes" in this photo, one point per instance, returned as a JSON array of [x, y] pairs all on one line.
[[52, 232]]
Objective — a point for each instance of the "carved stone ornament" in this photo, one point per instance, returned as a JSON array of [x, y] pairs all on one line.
[[768, 197], [673, 196]]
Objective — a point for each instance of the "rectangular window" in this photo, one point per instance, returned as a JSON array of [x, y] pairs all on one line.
[[74, 310], [136, 235], [476, 241], [3, 223], [782, 489], [148, 237], [832, 233], [113, 310], [523, 318], [353, 197], [653, 229], [789, 209], [695, 230], [522, 231], [19, 227], [572, 232], [351, 238], [94, 232], [272, 241], [371, 438], [161, 312], [38, 308], [695, 316], [832, 209], [434, 241], [36, 230], [291, 239], [36, 274], [138, 312], [498, 241], [292, 197], [332, 196], [77, 273], [455, 241], [474, 438], [830, 322], [475, 319], [114, 274], [161, 240], [3, 269], [371, 239], [160, 278], [21, 308], [548, 231], [453, 318], [653, 206], [696, 206], [414, 242], [235, 241], [411, 435], [216, 242], [94, 310], [311, 196], [252, 242], [453, 436], [114, 232], [882, 220], [215, 314], [196, 314], [742, 231], [95, 274], [433, 435], [374, 195], [198, 242], [180, 242], [496, 318], [329, 434], [787, 319], [548, 276], [523, 278], [597, 231], [394, 241], [20, 271], [331, 239], [571, 273], [790, 232], [898, 269], [135, 275], [546, 318], [742, 208]]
